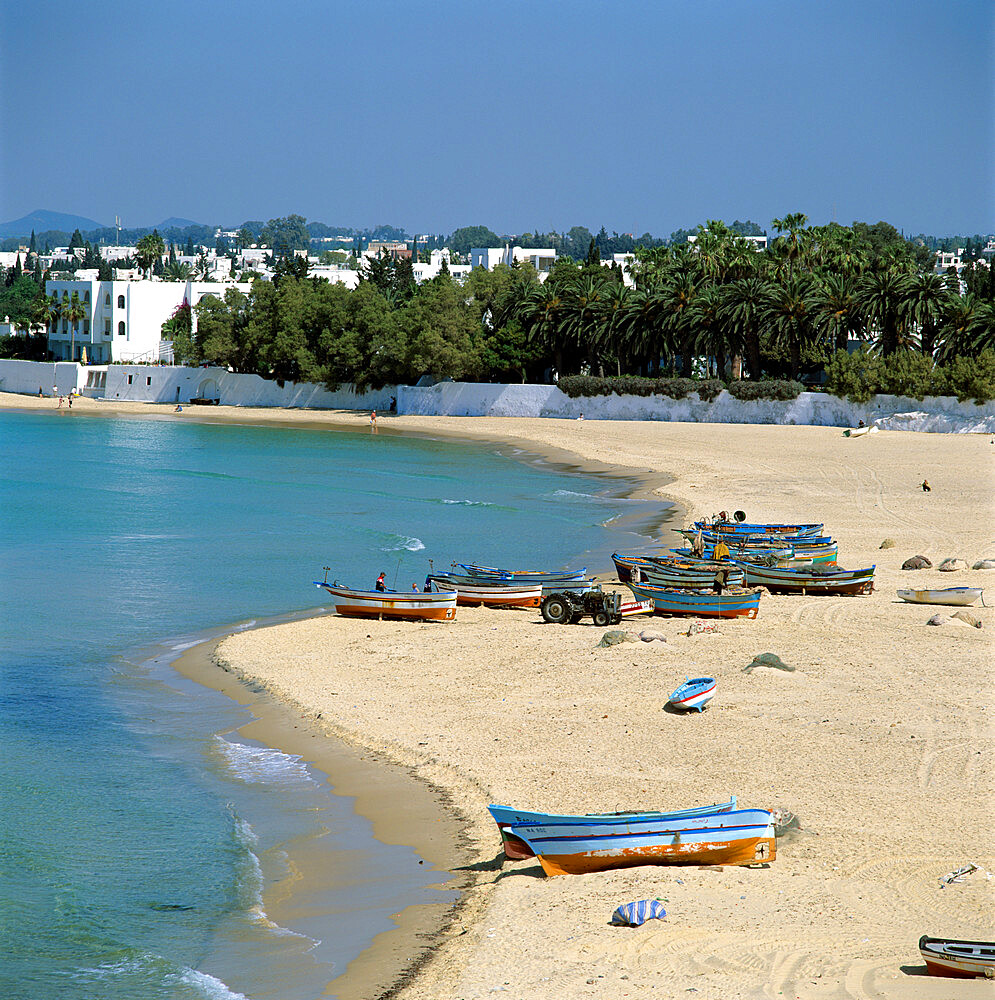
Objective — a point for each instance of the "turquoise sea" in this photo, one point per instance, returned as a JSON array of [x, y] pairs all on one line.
[[137, 828]]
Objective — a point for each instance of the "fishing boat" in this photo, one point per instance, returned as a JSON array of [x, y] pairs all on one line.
[[390, 604], [958, 959], [737, 837], [856, 432], [743, 528], [815, 548], [695, 692], [522, 575], [736, 603], [664, 572], [814, 580], [958, 597], [487, 594], [515, 848]]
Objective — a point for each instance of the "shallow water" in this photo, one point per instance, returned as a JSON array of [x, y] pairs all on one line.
[[137, 829]]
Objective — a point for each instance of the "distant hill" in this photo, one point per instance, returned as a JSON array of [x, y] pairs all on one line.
[[175, 223], [42, 220]]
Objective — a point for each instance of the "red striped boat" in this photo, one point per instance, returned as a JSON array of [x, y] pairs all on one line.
[[390, 604]]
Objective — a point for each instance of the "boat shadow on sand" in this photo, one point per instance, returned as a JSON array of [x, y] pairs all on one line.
[[496, 865]]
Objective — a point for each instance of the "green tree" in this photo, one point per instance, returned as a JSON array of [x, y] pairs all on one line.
[[789, 314], [442, 331], [74, 311], [177, 271], [148, 250], [462, 241]]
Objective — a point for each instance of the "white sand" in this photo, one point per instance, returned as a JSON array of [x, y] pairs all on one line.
[[880, 741]]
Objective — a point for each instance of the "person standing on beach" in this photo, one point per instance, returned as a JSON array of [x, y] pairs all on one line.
[[373, 422]]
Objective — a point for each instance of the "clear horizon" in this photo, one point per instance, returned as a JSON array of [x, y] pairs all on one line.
[[513, 117]]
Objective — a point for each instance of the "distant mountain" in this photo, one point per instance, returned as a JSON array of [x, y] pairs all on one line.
[[42, 220], [174, 223]]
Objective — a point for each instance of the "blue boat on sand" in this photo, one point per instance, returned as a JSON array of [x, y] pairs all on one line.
[[695, 692], [515, 848]]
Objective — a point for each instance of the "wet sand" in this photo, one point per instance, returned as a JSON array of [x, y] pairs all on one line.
[[880, 740]]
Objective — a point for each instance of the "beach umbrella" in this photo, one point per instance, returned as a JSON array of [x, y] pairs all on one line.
[[83, 358]]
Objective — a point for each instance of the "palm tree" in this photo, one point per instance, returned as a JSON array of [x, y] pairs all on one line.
[[837, 312], [882, 297], [177, 271], [927, 299], [796, 244], [744, 304], [789, 312], [148, 250], [74, 311], [674, 299], [968, 326]]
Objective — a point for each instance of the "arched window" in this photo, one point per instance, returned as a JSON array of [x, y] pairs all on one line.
[[120, 329], [86, 296], [107, 299], [120, 302]]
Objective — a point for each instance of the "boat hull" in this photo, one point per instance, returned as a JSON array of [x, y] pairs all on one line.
[[955, 597], [738, 837], [523, 576], [700, 603], [515, 848], [958, 959], [377, 604], [799, 581], [694, 694], [477, 595]]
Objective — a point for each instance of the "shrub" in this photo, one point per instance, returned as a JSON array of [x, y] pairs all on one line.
[[907, 373], [861, 375], [968, 378], [766, 389], [854, 376], [673, 388]]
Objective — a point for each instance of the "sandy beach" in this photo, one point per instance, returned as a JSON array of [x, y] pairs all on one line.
[[880, 740]]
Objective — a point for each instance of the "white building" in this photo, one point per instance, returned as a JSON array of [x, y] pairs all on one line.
[[123, 320], [490, 257]]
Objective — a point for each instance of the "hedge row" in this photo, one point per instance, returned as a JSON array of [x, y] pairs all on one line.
[[675, 388], [863, 374]]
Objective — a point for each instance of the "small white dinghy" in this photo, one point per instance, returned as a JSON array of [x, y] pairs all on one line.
[[958, 597], [856, 432]]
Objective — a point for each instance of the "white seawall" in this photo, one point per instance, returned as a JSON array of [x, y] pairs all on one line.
[[169, 384]]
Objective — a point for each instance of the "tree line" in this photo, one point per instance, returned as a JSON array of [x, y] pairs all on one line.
[[716, 306]]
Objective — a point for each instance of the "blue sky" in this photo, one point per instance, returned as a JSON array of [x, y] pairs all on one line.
[[515, 115]]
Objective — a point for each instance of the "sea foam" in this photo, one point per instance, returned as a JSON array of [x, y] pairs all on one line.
[[252, 764]]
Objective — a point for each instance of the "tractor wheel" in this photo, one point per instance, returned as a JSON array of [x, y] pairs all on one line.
[[601, 618], [555, 609]]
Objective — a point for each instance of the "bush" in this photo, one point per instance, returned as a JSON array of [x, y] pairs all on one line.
[[576, 386], [766, 389], [907, 373], [861, 375], [969, 378], [853, 376]]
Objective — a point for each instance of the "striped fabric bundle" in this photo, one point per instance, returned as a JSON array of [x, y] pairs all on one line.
[[635, 914]]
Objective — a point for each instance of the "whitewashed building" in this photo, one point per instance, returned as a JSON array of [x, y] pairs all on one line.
[[490, 257], [123, 319]]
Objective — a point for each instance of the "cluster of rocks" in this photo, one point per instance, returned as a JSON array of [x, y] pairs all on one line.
[[951, 565]]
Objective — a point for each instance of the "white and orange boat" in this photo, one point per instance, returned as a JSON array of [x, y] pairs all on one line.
[[736, 837], [491, 595], [958, 959], [390, 604]]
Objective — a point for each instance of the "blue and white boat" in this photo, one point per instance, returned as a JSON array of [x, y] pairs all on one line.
[[695, 692], [515, 848], [737, 837]]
